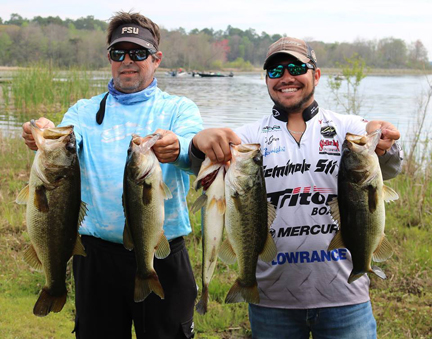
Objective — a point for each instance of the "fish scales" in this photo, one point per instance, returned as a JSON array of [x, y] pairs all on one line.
[[359, 209], [144, 193], [53, 213], [211, 178], [247, 219]]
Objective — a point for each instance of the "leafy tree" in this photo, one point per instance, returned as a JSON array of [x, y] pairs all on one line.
[[353, 72], [15, 19]]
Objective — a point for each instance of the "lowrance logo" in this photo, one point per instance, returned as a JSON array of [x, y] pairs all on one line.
[[306, 257]]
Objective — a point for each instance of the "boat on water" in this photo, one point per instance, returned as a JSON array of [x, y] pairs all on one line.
[[215, 75], [177, 73]]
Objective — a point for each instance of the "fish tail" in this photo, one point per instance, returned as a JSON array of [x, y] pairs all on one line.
[[201, 307], [239, 292], [47, 303], [379, 272], [144, 286], [355, 275]]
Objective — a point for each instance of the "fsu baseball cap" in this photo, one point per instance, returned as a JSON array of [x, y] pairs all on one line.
[[135, 34], [299, 49]]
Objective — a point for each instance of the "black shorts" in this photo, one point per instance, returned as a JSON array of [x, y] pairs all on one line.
[[104, 288]]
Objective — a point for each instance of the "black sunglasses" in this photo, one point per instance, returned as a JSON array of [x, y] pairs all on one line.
[[293, 69], [134, 54]]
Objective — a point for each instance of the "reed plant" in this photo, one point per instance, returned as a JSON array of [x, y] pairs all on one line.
[[43, 88]]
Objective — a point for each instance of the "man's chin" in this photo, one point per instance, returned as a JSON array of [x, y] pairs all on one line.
[[126, 87]]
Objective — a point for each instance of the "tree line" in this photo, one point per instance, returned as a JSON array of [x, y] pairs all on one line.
[[82, 42]]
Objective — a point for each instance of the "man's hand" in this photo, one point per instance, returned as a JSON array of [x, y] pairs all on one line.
[[167, 149], [215, 143], [389, 134], [42, 123]]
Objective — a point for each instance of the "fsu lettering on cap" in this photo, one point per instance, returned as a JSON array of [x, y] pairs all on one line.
[[135, 34], [133, 30]]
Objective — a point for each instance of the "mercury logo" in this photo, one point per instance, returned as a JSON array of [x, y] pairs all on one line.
[[133, 30]]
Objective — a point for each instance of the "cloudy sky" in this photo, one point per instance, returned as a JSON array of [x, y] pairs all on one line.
[[329, 21]]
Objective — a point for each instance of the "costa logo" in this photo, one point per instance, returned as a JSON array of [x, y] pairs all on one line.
[[328, 131]]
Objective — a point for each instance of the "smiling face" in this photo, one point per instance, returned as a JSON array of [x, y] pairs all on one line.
[[292, 93], [133, 76]]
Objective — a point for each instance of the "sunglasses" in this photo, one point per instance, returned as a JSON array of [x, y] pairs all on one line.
[[134, 54], [293, 69]]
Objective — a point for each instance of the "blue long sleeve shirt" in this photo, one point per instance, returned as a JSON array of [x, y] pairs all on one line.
[[102, 151]]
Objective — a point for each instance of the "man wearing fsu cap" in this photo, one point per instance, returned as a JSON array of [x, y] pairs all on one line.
[[103, 125], [304, 289]]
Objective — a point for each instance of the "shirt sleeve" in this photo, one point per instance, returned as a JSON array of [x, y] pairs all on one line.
[[391, 162], [71, 118], [188, 122]]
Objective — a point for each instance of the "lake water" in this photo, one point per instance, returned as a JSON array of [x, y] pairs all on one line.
[[232, 102]]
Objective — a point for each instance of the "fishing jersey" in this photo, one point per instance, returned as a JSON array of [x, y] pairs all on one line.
[[301, 178], [102, 152]]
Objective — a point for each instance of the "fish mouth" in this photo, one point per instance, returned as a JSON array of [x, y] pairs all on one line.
[[360, 140]]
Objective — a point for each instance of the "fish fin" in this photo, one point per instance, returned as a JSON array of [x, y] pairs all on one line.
[[221, 206], [354, 276], [23, 196], [127, 238], [82, 213], [47, 303], [389, 194], [239, 293], [202, 304], [79, 247], [372, 198], [41, 200], [269, 251], [271, 213], [383, 251], [199, 203], [337, 242], [32, 259], [378, 271], [166, 191], [163, 248], [226, 253], [144, 286], [334, 210], [237, 202]]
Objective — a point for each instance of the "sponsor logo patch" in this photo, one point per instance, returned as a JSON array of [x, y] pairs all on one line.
[[328, 131]]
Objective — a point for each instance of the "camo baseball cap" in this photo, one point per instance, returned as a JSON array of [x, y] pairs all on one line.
[[299, 49], [135, 34]]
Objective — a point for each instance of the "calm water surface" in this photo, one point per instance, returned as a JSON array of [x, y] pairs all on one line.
[[232, 102]]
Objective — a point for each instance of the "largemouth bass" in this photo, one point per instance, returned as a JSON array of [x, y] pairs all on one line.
[[359, 209], [144, 193], [211, 178], [247, 219], [54, 212]]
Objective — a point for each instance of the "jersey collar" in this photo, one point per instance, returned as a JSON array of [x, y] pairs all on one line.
[[280, 114]]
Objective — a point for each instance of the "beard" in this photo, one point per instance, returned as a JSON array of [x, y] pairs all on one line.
[[297, 107], [126, 86]]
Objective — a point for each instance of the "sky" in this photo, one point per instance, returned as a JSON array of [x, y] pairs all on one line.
[[324, 20]]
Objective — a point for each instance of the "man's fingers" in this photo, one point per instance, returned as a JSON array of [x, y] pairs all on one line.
[[391, 134]]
